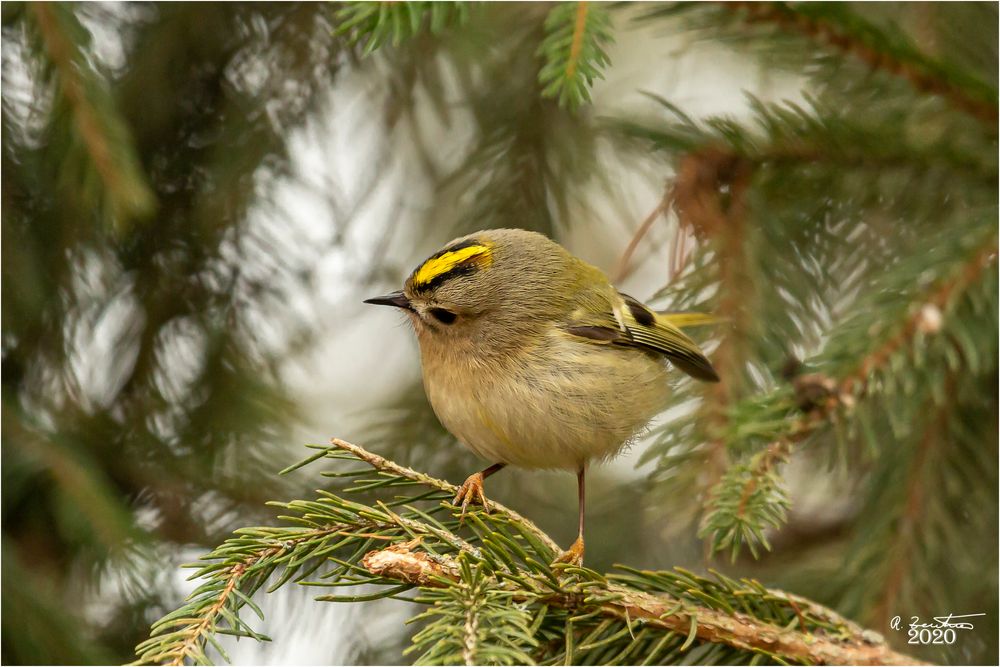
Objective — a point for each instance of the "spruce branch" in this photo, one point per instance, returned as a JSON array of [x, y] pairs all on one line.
[[915, 533], [239, 567], [491, 596], [906, 543], [746, 501], [576, 36], [919, 321], [716, 166], [100, 128], [624, 266], [385, 465], [842, 29], [749, 498], [377, 23], [793, 136], [709, 196], [655, 608], [474, 621]]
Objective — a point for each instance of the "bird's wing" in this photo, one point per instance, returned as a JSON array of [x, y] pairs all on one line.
[[627, 322], [687, 319]]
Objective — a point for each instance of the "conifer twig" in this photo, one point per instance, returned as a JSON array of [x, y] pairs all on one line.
[[624, 267], [198, 630], [937, 298], [498, 601], [701, 206], [728, 507], [737, 629], [102, 131], [189, 632], [573, 49], [383, 464], [922, 73], [61, 53], [900, 559], [579, 28]]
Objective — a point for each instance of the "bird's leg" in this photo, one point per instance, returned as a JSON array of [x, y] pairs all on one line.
[[574, 555], [472, 488]]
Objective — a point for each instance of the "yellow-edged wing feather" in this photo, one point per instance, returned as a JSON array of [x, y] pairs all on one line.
[[638, 326], [685, 320]]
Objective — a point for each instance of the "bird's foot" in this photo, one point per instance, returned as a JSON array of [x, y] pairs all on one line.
[[573, 555], [470, 491]]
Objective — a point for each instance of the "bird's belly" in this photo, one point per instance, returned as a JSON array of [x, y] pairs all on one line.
[[550, 414]]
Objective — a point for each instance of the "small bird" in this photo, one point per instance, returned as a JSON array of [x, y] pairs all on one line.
[[531, 358]]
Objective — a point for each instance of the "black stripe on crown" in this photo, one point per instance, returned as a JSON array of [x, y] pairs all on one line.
[[460, 270], [436, 281], [468, 243]]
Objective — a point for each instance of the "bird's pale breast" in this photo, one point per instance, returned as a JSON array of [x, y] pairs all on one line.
[[559, 405]]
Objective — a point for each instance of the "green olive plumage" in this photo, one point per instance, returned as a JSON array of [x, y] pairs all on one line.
[[531, 357]]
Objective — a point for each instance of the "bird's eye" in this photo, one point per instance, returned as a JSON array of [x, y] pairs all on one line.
[[443, 316]]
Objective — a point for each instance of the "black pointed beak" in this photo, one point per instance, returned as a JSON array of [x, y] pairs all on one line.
[[397, 299]]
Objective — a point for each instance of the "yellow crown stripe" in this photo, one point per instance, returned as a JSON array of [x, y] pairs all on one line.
[[437, 266]]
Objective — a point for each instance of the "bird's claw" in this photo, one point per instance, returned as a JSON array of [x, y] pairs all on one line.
[[573, 555], [470, 491]]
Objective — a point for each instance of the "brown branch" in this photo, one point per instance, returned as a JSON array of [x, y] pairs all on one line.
[[831, 35], [127, 197], [857, 381], [624, 268], [775, 453], [579, 28], [709, 196], [61, 53], [204, 624], [738, 630], [198, 631], [901, 560], [820, 396]]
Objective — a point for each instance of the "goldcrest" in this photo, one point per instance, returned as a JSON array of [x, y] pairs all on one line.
[[532, 358]]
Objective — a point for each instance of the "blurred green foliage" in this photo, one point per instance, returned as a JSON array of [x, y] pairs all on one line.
[[139, 403]]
